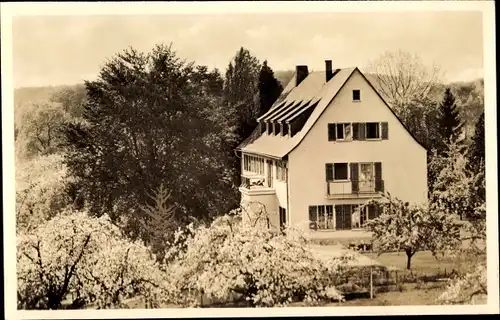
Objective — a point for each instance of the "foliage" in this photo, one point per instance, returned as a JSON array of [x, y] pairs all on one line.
[[452, 183], [84, 259], [401, 77], [150, 120], [476, 152], [269, 88], [449, 121], [40, 130], [71, 99], [465, 288], [264, 266], [240, 92], [470, 102], [420, 117], [411, 228], [158, 221], [40, 190]]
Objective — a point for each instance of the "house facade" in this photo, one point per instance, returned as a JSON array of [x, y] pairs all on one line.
[[327, 146]]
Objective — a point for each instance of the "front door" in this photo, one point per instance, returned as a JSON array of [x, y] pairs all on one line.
[[270, 173], [343, 217]]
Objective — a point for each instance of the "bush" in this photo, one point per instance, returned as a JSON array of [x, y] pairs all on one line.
[[86, 258], [265, 267], [466, 288]]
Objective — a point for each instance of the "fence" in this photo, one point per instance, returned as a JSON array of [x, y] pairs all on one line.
[[370, 280]]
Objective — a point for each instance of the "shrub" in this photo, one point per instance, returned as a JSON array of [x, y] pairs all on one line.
[[265, 267], [466, 288], [73, 254]]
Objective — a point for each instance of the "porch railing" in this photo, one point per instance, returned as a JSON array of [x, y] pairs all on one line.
[[252, 182], [354, 187]]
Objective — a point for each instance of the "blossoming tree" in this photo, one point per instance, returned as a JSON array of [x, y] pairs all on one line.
[[411, 228], [82, 260], [264, 266]]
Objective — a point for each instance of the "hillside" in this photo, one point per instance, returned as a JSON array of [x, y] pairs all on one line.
[[469, 95]]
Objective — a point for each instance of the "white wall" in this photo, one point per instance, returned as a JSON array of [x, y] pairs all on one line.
[[404, 165]]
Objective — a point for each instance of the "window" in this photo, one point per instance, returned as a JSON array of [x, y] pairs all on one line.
[[253, 164], [356, 95], [372, 130], [321, 217], [341, 217], [339, 131], [281, 171], [366, 173], [340, 171]]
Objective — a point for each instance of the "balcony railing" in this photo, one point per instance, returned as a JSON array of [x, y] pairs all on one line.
[[253, 182], [354, 187]]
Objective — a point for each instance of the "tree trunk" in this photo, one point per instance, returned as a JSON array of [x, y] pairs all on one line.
[[408, 261]]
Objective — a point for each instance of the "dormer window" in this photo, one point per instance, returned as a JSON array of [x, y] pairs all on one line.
[[356, 95]]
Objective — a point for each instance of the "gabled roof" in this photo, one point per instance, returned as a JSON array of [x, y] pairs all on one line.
[[313, 92]]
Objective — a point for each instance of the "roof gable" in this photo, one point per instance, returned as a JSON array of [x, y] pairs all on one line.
[[313, 93]]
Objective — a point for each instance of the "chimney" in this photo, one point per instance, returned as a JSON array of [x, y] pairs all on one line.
[[301, 73], [328, 69]]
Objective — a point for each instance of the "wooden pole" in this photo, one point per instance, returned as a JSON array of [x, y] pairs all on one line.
[[371, 282]]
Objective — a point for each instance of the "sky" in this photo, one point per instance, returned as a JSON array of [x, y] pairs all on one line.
[[58, 50]]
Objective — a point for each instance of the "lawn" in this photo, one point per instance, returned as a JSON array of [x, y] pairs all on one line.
[[411, 294], [422, 262]]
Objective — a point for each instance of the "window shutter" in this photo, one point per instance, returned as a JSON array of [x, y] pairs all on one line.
[[372, 211], [329, 171], [385, 131], [313, 218], [362, 131], [354, 177], [332, 134], [355, 131], [379, 184]]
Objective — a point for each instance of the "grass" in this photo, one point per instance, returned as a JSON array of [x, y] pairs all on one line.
[[423, 262], [426, 294]]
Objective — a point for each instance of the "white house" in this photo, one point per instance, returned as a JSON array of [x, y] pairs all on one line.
[[329, 144]]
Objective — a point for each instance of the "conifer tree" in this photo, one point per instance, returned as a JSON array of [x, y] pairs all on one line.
[[449, 120], [269, 88]]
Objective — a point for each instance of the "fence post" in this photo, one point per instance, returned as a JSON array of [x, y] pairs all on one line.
[[371, 282]]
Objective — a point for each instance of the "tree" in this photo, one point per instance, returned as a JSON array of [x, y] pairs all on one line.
[[71, 99], [420, 117], [40, 191], [401, 77], [85, 260], [159, 222], [476, 151], [451, 184], [269, 88], [410, 228], [40, 130], [261, 266], [449, 122], [240, 90], [150, 120]]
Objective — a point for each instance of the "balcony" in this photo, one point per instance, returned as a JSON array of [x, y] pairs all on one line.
[[348, 189], [255, 184]]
